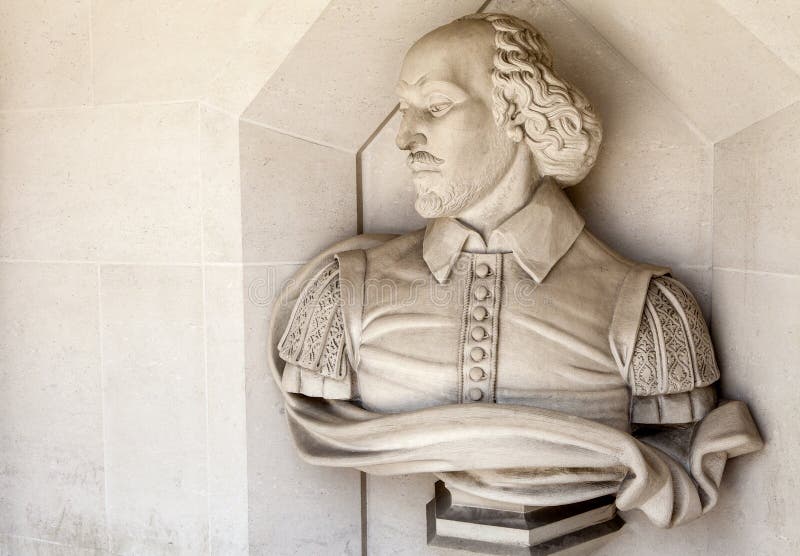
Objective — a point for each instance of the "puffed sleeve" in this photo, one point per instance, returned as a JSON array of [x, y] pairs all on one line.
[[313, 345], [672, 367]]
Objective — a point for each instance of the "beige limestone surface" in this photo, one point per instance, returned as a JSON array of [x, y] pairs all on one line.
[[296, 196], [649, 195], [226, 409], [721, 91], [52, 487], [774, 22], [154, 407], [314, 95], [162, 50], [219, 186], [50, 264], [756, 200], [440, 145], [45, 54], [289, 500], [113, 183], [650, 191], [122, 373]]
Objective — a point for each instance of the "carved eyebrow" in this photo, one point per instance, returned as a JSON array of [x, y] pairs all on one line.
[[450, 89], [426, 88]]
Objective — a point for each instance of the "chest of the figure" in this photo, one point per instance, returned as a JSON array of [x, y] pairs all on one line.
[[490, 333]]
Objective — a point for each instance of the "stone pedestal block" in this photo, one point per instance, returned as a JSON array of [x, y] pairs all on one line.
[[462, 521]]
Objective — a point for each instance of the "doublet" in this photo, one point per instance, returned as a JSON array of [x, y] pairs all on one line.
[[544, 315]]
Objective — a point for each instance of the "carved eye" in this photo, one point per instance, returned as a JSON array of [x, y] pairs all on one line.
[[439, 108], [439, 104]]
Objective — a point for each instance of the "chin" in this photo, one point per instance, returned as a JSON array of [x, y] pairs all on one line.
[[429, 205], [445, 200], [429, 202]]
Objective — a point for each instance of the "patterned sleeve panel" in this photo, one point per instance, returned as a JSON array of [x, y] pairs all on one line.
[[673, 356], [313, 344]]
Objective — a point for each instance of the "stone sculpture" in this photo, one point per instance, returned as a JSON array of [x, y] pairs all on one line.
[[545, 379]]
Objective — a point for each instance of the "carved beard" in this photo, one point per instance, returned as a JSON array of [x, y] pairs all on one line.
[[440, 196], [447, 200]]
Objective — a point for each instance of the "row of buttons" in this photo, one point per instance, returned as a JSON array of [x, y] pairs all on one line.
[[479, 328]]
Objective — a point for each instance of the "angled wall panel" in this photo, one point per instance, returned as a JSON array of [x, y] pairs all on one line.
[[337, 85], [297, 197], [775, 23], [715, 71]]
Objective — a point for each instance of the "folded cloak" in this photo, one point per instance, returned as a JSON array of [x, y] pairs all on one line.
[[514, 453]]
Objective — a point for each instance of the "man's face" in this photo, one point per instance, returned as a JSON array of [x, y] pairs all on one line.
[[457, 152]]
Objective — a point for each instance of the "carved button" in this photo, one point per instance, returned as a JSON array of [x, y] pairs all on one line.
[[481, 293], [478, 333], [483, 270], [475, 394], [476, 374], [477, 353], [480, 313]]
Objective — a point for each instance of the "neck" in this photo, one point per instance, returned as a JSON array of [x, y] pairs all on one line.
[[511, 194]]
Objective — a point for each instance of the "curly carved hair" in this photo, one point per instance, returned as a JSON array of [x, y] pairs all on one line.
[[553, 117]]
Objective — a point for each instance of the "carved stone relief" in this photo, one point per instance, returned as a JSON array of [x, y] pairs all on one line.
[[546, 380]]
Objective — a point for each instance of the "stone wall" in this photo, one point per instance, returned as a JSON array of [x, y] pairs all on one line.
[[165, 166], [122, 384]]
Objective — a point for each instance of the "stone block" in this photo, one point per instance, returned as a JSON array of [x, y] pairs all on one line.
[[663, 43], [11, 546], [294, 507], [45, 54], [227, 426], [51, 415], [221, 186], [524, 530], [774, 23], [297, 197], [756, 200], [162, 50], [396, 519], [155, 409], [116, 183], [261, 49]]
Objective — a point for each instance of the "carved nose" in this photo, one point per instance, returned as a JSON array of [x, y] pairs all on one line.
[[408, 137], [409, 141]]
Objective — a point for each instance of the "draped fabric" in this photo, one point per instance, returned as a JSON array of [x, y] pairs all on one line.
[[514, 453]]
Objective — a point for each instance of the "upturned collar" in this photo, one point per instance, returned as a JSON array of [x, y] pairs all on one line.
[[538, 235]]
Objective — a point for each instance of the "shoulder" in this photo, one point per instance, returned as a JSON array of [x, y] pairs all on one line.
[[399, 259], [292, 290], [314, 337], [311, 336], [399, 248], [672, 352], [621, 280]]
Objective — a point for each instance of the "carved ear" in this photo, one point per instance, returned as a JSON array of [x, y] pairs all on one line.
[[515, 127], [515, 132]]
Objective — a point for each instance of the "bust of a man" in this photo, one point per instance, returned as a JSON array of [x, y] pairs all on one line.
[[504, 298]]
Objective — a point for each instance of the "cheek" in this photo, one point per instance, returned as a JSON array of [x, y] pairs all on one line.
[[462, 136]]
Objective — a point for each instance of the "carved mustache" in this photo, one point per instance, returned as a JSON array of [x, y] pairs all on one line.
[[423, 157]]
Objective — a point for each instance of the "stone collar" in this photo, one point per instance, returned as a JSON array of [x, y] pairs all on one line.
[[538, 235]]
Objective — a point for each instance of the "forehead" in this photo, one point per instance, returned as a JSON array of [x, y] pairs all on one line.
[[460, 53]]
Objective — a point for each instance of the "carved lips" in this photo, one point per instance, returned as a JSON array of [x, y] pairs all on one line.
[[423, 161]]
